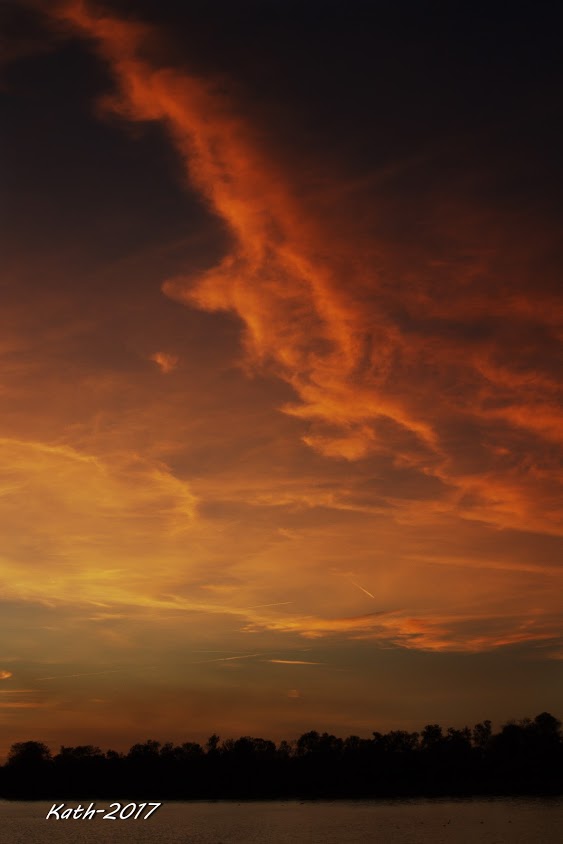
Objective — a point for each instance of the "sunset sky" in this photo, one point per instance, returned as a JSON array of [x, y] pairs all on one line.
[[281, 324]]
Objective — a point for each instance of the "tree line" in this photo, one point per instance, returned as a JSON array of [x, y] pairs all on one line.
[[524, 757]]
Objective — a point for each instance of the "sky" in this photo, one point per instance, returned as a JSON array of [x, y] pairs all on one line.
[[280, 443]]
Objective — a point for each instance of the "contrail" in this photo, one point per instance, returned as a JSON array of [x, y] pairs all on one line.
[[16, 691], [86, 674], [277, 604], [357, 585], [226, 659], [292, 662], [216, 651], [96, 673]]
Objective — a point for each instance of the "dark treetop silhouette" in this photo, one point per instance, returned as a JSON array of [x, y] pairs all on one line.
[[523, 758]]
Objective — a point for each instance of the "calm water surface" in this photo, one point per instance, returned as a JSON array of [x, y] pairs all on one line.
[[497, 821]]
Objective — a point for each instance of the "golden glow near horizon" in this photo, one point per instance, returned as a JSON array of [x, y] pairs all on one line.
[[262, 497]]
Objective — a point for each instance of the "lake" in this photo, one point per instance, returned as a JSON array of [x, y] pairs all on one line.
[[421, 821]]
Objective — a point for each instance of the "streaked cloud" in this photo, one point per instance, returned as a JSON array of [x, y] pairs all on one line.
[[62, 507]]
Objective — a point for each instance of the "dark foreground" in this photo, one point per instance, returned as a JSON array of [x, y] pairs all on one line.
[[523, 758]]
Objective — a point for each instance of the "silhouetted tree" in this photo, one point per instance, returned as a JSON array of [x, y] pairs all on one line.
[[28, 766], [431, 737], [212, 744], [524, 757], [28, 753], [481, 735]]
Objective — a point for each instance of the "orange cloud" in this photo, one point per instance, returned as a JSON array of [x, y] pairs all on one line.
[[165, 361], [393, 356], [376, 368], [295, 313], [435, 631], [360, 412]]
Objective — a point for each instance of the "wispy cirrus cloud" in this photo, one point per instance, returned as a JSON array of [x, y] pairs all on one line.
[[362, 342], [332, 445], [434, 631], [62, 507]]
